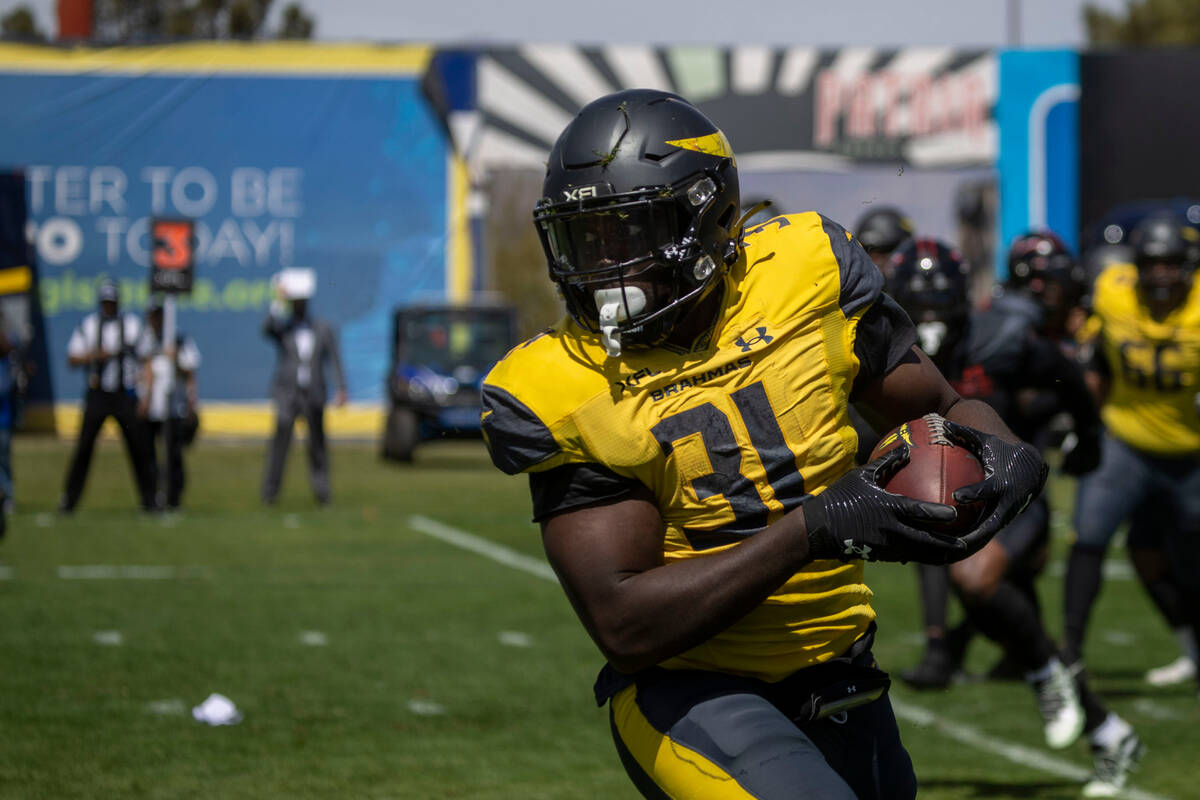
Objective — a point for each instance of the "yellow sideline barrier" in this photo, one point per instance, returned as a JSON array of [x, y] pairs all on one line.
[[270, 58], [223, 420]]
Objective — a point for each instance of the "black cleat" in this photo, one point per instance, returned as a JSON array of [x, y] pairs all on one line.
[[937, 669]]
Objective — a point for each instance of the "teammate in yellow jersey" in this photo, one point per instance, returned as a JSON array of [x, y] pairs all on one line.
[[1146, 343], [689, 450]]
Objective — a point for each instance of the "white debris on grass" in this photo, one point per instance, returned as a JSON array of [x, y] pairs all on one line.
[[425, 708], [43, 520], [217, 709], [6, 573], [108, 638], [515, 639], [291, 521], [313, 638]]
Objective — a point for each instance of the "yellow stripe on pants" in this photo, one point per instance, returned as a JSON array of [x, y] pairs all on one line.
[[679, 771]]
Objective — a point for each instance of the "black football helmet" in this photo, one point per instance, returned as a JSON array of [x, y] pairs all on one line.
[[1166, 250], [1042, 266], [929, 279], [881, 230], [639, 215]]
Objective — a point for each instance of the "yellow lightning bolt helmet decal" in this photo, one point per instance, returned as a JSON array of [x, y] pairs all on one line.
[[714, 144]]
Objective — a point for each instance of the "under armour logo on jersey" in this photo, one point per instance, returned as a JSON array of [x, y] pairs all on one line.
[[762, 337], [859, 551]]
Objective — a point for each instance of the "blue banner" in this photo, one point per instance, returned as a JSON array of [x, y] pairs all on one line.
[[1038, 115], [320, 162]]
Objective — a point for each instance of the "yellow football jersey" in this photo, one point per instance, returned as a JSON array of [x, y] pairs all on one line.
[[728, 439], [1154, 366]]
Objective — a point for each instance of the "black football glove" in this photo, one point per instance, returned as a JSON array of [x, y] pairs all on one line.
[[1015, 474], [857, 518], [1081, 452]]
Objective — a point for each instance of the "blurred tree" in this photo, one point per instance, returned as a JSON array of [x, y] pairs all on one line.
[[296, 24], [516, 262], [1145, 23], [143, 20], [21, 24]]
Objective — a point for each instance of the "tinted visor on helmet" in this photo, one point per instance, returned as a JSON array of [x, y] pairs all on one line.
[[609, 240]]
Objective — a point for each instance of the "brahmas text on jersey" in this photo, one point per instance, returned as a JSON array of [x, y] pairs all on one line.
[[1154, 366], [727, 439]]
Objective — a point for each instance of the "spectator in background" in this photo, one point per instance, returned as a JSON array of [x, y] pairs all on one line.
[[103, 345], [305, 346], [168, 401]]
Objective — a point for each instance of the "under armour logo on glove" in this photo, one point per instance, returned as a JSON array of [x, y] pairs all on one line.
[[859, 551]]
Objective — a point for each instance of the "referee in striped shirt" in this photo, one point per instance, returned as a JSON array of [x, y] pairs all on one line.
[[104, 346]]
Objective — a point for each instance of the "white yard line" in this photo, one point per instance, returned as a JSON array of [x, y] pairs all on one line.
[[1027, 756], [134, 572], [1114, 570], [480, 546], [964, 734]]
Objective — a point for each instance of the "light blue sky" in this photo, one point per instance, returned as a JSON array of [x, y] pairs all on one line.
[[973, 23]]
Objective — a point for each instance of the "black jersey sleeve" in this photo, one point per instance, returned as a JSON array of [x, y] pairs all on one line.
[[516, 438], [573, 486], [883, 337], [861, 280], [1047, 366]]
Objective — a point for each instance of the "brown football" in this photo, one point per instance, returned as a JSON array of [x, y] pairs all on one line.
[[936, 468]]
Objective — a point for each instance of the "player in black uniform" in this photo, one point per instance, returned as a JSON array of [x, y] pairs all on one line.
[[993, 355]]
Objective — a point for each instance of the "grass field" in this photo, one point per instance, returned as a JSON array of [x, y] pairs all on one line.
[[373, 660]]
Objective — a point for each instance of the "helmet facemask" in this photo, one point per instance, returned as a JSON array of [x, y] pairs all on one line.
[[630, 265]]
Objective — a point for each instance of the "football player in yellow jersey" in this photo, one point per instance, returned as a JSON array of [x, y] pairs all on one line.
[[1146, 356], [689, 451]]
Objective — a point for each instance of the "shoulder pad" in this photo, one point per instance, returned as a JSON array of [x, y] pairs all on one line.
[[516, 438]]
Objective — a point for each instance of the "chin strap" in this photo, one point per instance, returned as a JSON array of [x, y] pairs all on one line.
[[740, 225]]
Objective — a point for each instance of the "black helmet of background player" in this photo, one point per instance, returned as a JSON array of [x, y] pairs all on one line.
[[1042, 266], [929, 280], [1165, 250], [638, 215], [880, 231]]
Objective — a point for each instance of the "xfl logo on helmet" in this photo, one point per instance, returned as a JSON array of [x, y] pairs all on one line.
[[582, 192], [762, 337]]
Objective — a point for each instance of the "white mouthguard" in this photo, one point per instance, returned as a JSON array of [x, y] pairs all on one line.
[[932, 335], [612, 305]]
